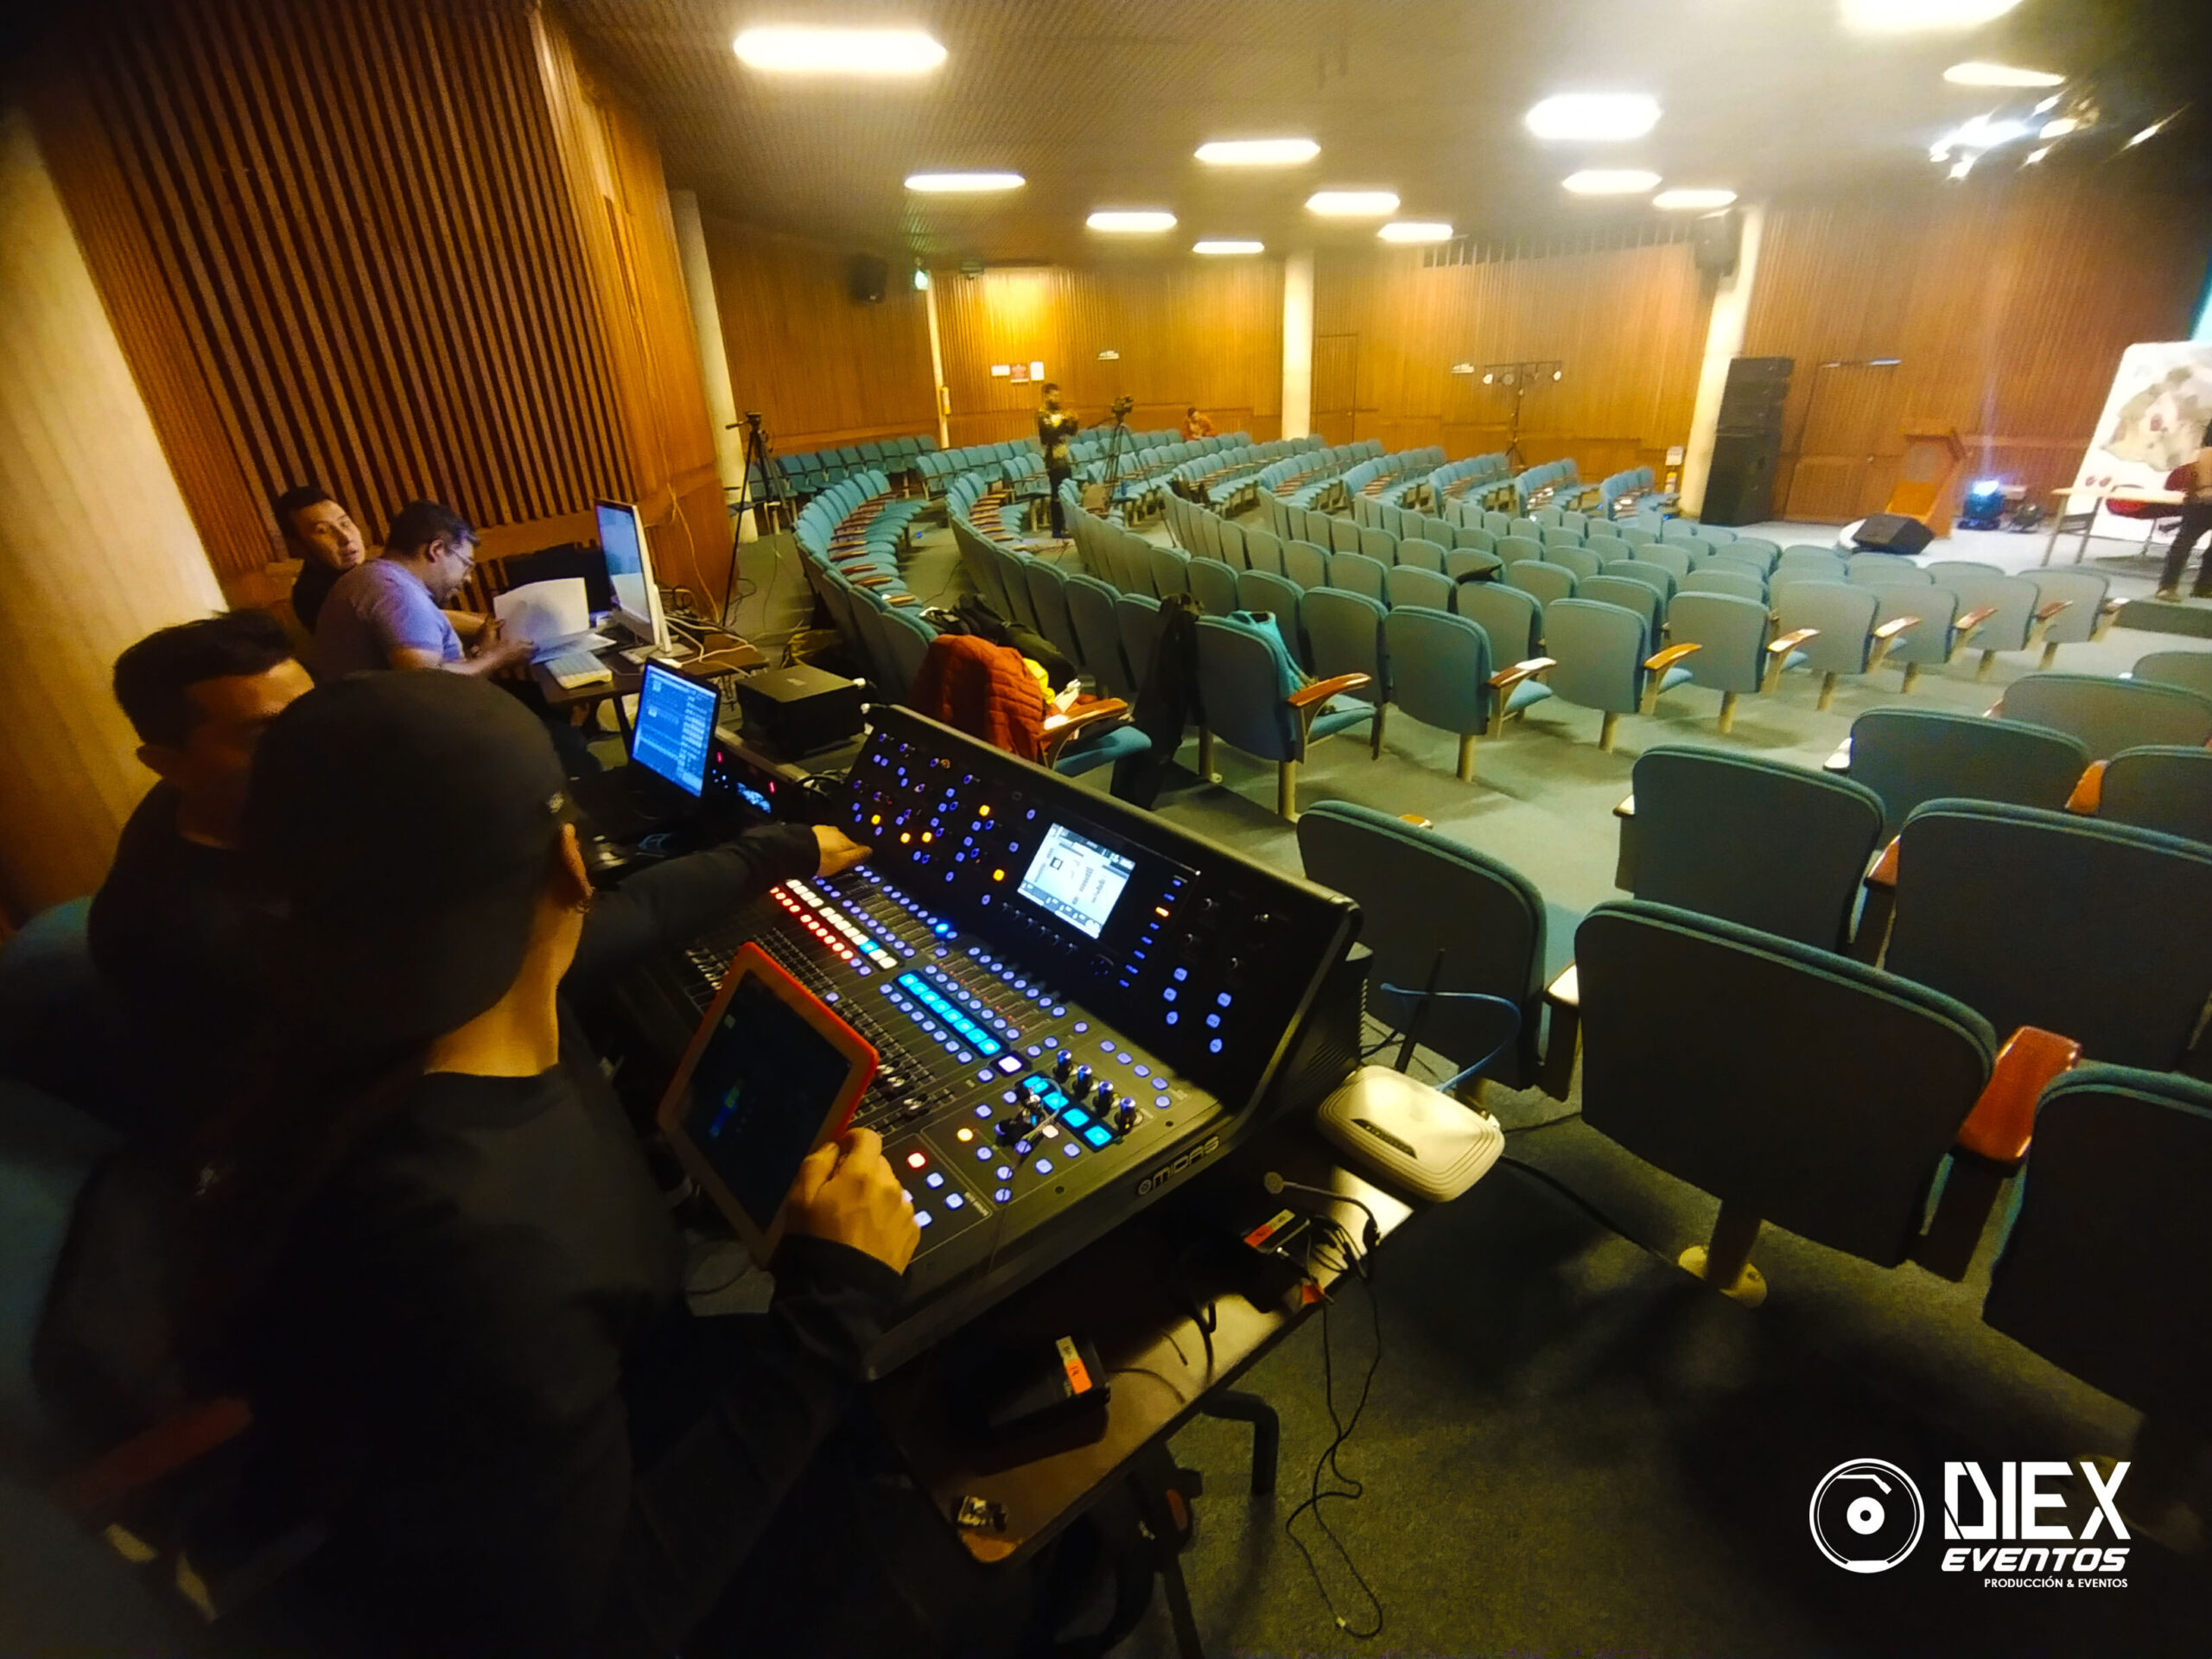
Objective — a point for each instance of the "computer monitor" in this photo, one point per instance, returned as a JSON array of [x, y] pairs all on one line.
[[674, 729], [629, 568]]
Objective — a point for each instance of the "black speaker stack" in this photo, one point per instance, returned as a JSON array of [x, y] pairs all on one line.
[[1739, 488]]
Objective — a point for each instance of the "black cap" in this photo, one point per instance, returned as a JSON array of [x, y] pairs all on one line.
[[407, 819]]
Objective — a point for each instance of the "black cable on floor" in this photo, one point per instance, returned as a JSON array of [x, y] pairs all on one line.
[[1546, 1122], [1578, 1201], [1347, 1488]]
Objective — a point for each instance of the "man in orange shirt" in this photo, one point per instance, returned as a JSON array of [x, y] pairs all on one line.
[[1196, 425]]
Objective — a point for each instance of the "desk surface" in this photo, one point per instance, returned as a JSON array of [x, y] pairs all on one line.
[[1124, 1292], [734, 656]]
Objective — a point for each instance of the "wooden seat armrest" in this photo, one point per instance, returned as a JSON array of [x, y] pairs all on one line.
[[1974, 619], [1563, 997], [902, 599], [1532, 668], [1790, 642], [1626, 808], [1841, 760], [1312, 696], [2004, 1119], [1416, 820], [2108, 614], [1895, 627], [2045, 613], [1660, 661], [1885, 873], [2089, 793], [160, 1451], [871, 581]]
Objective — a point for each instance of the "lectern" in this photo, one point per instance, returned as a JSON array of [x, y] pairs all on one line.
[[1934, 458]]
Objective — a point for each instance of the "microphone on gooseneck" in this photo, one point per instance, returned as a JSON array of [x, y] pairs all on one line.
[[1276, 1186]]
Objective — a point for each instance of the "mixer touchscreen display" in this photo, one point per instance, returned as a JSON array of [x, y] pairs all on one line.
[[1076, 879]]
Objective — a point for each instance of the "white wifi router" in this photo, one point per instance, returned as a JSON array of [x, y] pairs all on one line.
[[1417, 1138]]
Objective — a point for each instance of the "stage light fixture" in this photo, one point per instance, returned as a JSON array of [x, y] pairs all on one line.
[[1218, 246], [802, 51], [1918, 16], [1693, 200], [1258, 152], [1128, 219], [1415, 230], [1598, 117], [1976, 73], [953, 184], [1352, 204], [1610, 182]]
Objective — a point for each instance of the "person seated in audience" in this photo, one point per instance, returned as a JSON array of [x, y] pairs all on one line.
[[1196, 425], [323, 537], [178, 930], [454, 1286], [389, 613]]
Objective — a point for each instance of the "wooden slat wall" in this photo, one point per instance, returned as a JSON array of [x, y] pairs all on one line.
[[359, 219], [96, 548], [822, 369], [2009, 300], [1194, 331], [1628, 323]]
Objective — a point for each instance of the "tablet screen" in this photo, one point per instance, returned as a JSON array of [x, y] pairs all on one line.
[[759, 1092]]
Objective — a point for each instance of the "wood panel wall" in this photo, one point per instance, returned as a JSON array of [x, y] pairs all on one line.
[[408, 250], [96, 548], [1192, 331], [823, 368], [2008, 302], [1628, 324]]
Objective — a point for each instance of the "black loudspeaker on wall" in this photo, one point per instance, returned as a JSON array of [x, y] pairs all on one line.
[[1715, 239], [1739, 490], [1893, 532], [867, 275]]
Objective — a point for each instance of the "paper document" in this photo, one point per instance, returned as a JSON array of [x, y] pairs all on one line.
[[543, 612]]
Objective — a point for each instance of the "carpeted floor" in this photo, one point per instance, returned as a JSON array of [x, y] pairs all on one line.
[[1573, 1448]]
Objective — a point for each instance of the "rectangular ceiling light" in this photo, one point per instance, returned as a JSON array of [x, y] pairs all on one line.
[[801, 51], [1610, 182], [1415, 230], [1917, 16], [950, 184], [1676, 201], [1353, 204], [1258, 152], [1601, 115], [1119, 220], [2000, 74], [1213, 246]]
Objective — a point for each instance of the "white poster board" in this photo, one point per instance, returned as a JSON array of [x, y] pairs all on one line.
[[2153, 420]]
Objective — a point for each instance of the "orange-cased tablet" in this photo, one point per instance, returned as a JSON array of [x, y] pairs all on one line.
[[770, 1074]]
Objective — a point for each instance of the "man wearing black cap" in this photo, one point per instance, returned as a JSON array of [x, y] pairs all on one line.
[[470, 1356]]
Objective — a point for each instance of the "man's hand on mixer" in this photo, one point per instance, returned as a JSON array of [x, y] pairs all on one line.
[[839, 850]]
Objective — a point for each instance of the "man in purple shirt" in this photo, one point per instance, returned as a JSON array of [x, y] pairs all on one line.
[[387, 614]]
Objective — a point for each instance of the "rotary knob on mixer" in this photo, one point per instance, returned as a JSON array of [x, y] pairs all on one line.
[[1103, 1097], [1081, 1084], [1062, 1062]]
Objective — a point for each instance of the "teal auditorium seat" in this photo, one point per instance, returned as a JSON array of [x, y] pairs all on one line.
[[1213, 584], [2160, 786], [1443, 674], [59, 1029], [1259, 592], [1828, 1114], [2110, 714], [2089, 610], [1249, 690], [2103, 1268], [1627, 592], [1306, 564], [1601, 659], [1911, 756], [2190, 670], [1048, 597], [1097, 628], [1840, 615], [1757, 842], [1407, 584], [1736, 656], [2092, 929], [48, 1150], [1434, 911], [1355, 573], [1545, 583], [1343, 635], [1513, 619], [1742, 583]]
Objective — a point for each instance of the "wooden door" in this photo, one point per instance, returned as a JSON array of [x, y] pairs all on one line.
[[1336, 387], [1846, 451]]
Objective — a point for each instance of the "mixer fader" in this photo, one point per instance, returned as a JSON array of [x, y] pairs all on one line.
[[1076, 1003]]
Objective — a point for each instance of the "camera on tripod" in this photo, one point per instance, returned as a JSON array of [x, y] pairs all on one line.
[[1120, 407]]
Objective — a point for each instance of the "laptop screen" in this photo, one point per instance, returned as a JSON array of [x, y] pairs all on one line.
[[674, 729]]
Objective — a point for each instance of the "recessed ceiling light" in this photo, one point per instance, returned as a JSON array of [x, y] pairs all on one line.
[[2060, 128], [839, 51], [1415, 230], [1353, 204], [1693, 200], [1610, 182], [948, 184], [1258, 152], [2150, 131], [1212, 245], [1131, 219], [2035, 155], [1604, 116], [1973, 74], [1913, 17]]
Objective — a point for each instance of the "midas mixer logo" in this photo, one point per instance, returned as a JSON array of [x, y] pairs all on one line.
[[1867, 1516]]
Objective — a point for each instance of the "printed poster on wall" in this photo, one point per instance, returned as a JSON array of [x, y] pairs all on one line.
[[2153, 420]]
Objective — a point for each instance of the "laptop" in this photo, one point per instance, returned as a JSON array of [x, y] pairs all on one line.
[[670, 739]]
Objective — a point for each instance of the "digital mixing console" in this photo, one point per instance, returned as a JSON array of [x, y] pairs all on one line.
[[1077, 1004]]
